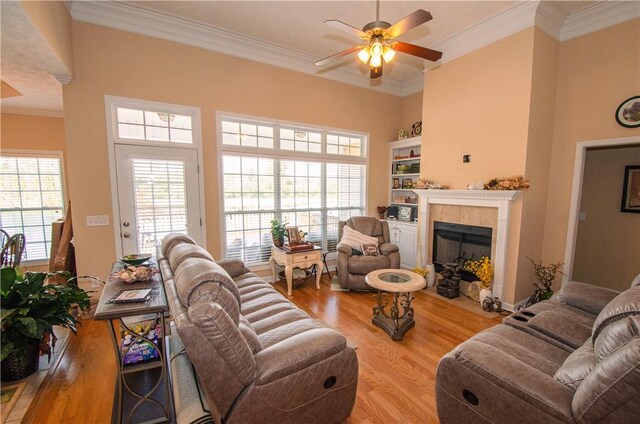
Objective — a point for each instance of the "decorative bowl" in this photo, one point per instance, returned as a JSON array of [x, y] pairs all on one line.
[[135, 258], [134, 274]]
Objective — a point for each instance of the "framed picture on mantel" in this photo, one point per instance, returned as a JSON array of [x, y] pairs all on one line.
[[631, 189]]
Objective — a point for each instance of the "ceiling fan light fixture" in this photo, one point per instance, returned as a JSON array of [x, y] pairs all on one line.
[[364, 55], [388, 54], [376, 48], [376, 61]]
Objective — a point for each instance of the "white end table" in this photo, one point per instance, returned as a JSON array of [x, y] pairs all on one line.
[[290, 260], [401, 283]]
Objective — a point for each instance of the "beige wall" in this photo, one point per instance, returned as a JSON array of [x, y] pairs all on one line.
[[31, 132], [163, 71], [479, 104], [538, 156], [596, 72], [411, 111], [608, 242], [54, 22]]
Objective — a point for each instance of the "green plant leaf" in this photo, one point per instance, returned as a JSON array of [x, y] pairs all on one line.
[[30, 327], [7, 280], [6, 350]]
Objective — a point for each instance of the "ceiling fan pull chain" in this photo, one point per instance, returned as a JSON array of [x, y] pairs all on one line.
[[377, 10]]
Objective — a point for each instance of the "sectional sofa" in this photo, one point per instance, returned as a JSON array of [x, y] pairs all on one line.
[[572, 359], [242, 353]]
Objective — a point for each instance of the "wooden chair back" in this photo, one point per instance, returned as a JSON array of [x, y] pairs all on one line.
[[12, 251]]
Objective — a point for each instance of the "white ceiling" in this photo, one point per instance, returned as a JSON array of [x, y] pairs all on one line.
[[292, 28]]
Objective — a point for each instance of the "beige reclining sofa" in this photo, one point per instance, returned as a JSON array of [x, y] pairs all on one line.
[[257, 357], [572, 359]]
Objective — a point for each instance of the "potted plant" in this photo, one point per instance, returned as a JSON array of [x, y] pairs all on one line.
[[546, 275], [278, 231], [29, 310]]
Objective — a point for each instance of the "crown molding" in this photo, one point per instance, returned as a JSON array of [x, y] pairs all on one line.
[[33, 112], [550, 18], [599, 16], [63, 79], [496, 27], [546, 15], [129, 18]]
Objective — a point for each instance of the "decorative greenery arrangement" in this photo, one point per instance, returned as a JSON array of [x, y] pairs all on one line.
[[483, 269], [278, 230], [30, 309], [517, 182], [546, 275], [422, 184], [420, 271]]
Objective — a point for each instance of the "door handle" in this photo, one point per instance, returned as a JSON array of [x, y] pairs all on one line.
[[126, 235], [125, 224]]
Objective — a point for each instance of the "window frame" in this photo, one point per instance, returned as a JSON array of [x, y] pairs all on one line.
[[57, 154], [278, 154]]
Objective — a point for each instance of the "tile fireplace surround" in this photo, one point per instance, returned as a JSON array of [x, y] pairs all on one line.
[[483, 208]]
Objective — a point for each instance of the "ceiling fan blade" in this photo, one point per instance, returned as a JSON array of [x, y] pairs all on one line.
[[326, 60], [416, 18], [414, 50], [376, 72], [346, 27]]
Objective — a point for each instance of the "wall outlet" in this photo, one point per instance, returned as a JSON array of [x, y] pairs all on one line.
[[97, 220]]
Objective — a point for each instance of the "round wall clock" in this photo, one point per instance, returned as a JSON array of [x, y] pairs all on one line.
[[628, 113]]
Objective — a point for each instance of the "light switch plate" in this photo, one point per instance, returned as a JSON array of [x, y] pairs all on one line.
[[97, 220], [583, 216]]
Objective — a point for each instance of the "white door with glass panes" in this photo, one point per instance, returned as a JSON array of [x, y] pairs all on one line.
[[158, 194]]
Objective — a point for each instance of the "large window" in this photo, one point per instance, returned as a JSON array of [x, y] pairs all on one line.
[[308, 177], [31, 199]]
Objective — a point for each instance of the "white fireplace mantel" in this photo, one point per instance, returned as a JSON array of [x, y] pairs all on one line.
[[500, 199]]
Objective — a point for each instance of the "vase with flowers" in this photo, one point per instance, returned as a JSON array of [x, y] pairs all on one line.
[[483, 270], [546, 275]]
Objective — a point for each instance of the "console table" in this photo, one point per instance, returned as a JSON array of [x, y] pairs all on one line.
[[152, 376], [290, 260]]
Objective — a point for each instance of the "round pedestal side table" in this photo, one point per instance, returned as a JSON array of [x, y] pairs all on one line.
[[399, 283]]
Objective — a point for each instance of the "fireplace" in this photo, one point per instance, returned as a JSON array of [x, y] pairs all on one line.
[[458, 243]]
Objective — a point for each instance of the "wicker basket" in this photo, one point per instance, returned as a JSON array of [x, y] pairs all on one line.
[[12, 370], [299, 276]]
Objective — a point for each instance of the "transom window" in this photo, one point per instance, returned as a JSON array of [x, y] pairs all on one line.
[[289, 173], [139, 124], [31, 198]]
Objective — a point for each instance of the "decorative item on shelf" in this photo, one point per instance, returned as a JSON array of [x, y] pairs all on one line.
[[415, 168], [402, 134], [423, 184], [411, 199], [293, 235], [416, 128], [30, 309], [278, 231], [479, 185], [546, 275], [396, 183], [628, 113], [133, 274], [403, 169], [404, 213], [382, 210], [483, 270], [517, 182], [135, 258], [407, 183]]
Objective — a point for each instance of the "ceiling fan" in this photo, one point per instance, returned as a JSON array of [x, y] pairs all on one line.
[[378, 36]]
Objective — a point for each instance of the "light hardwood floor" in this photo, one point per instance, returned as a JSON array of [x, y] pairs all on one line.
[[396, 379]]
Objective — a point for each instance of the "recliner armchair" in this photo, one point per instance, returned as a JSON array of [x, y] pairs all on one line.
[[353, 267]]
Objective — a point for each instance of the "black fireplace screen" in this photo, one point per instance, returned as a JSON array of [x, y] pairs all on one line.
[[458, 243]]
